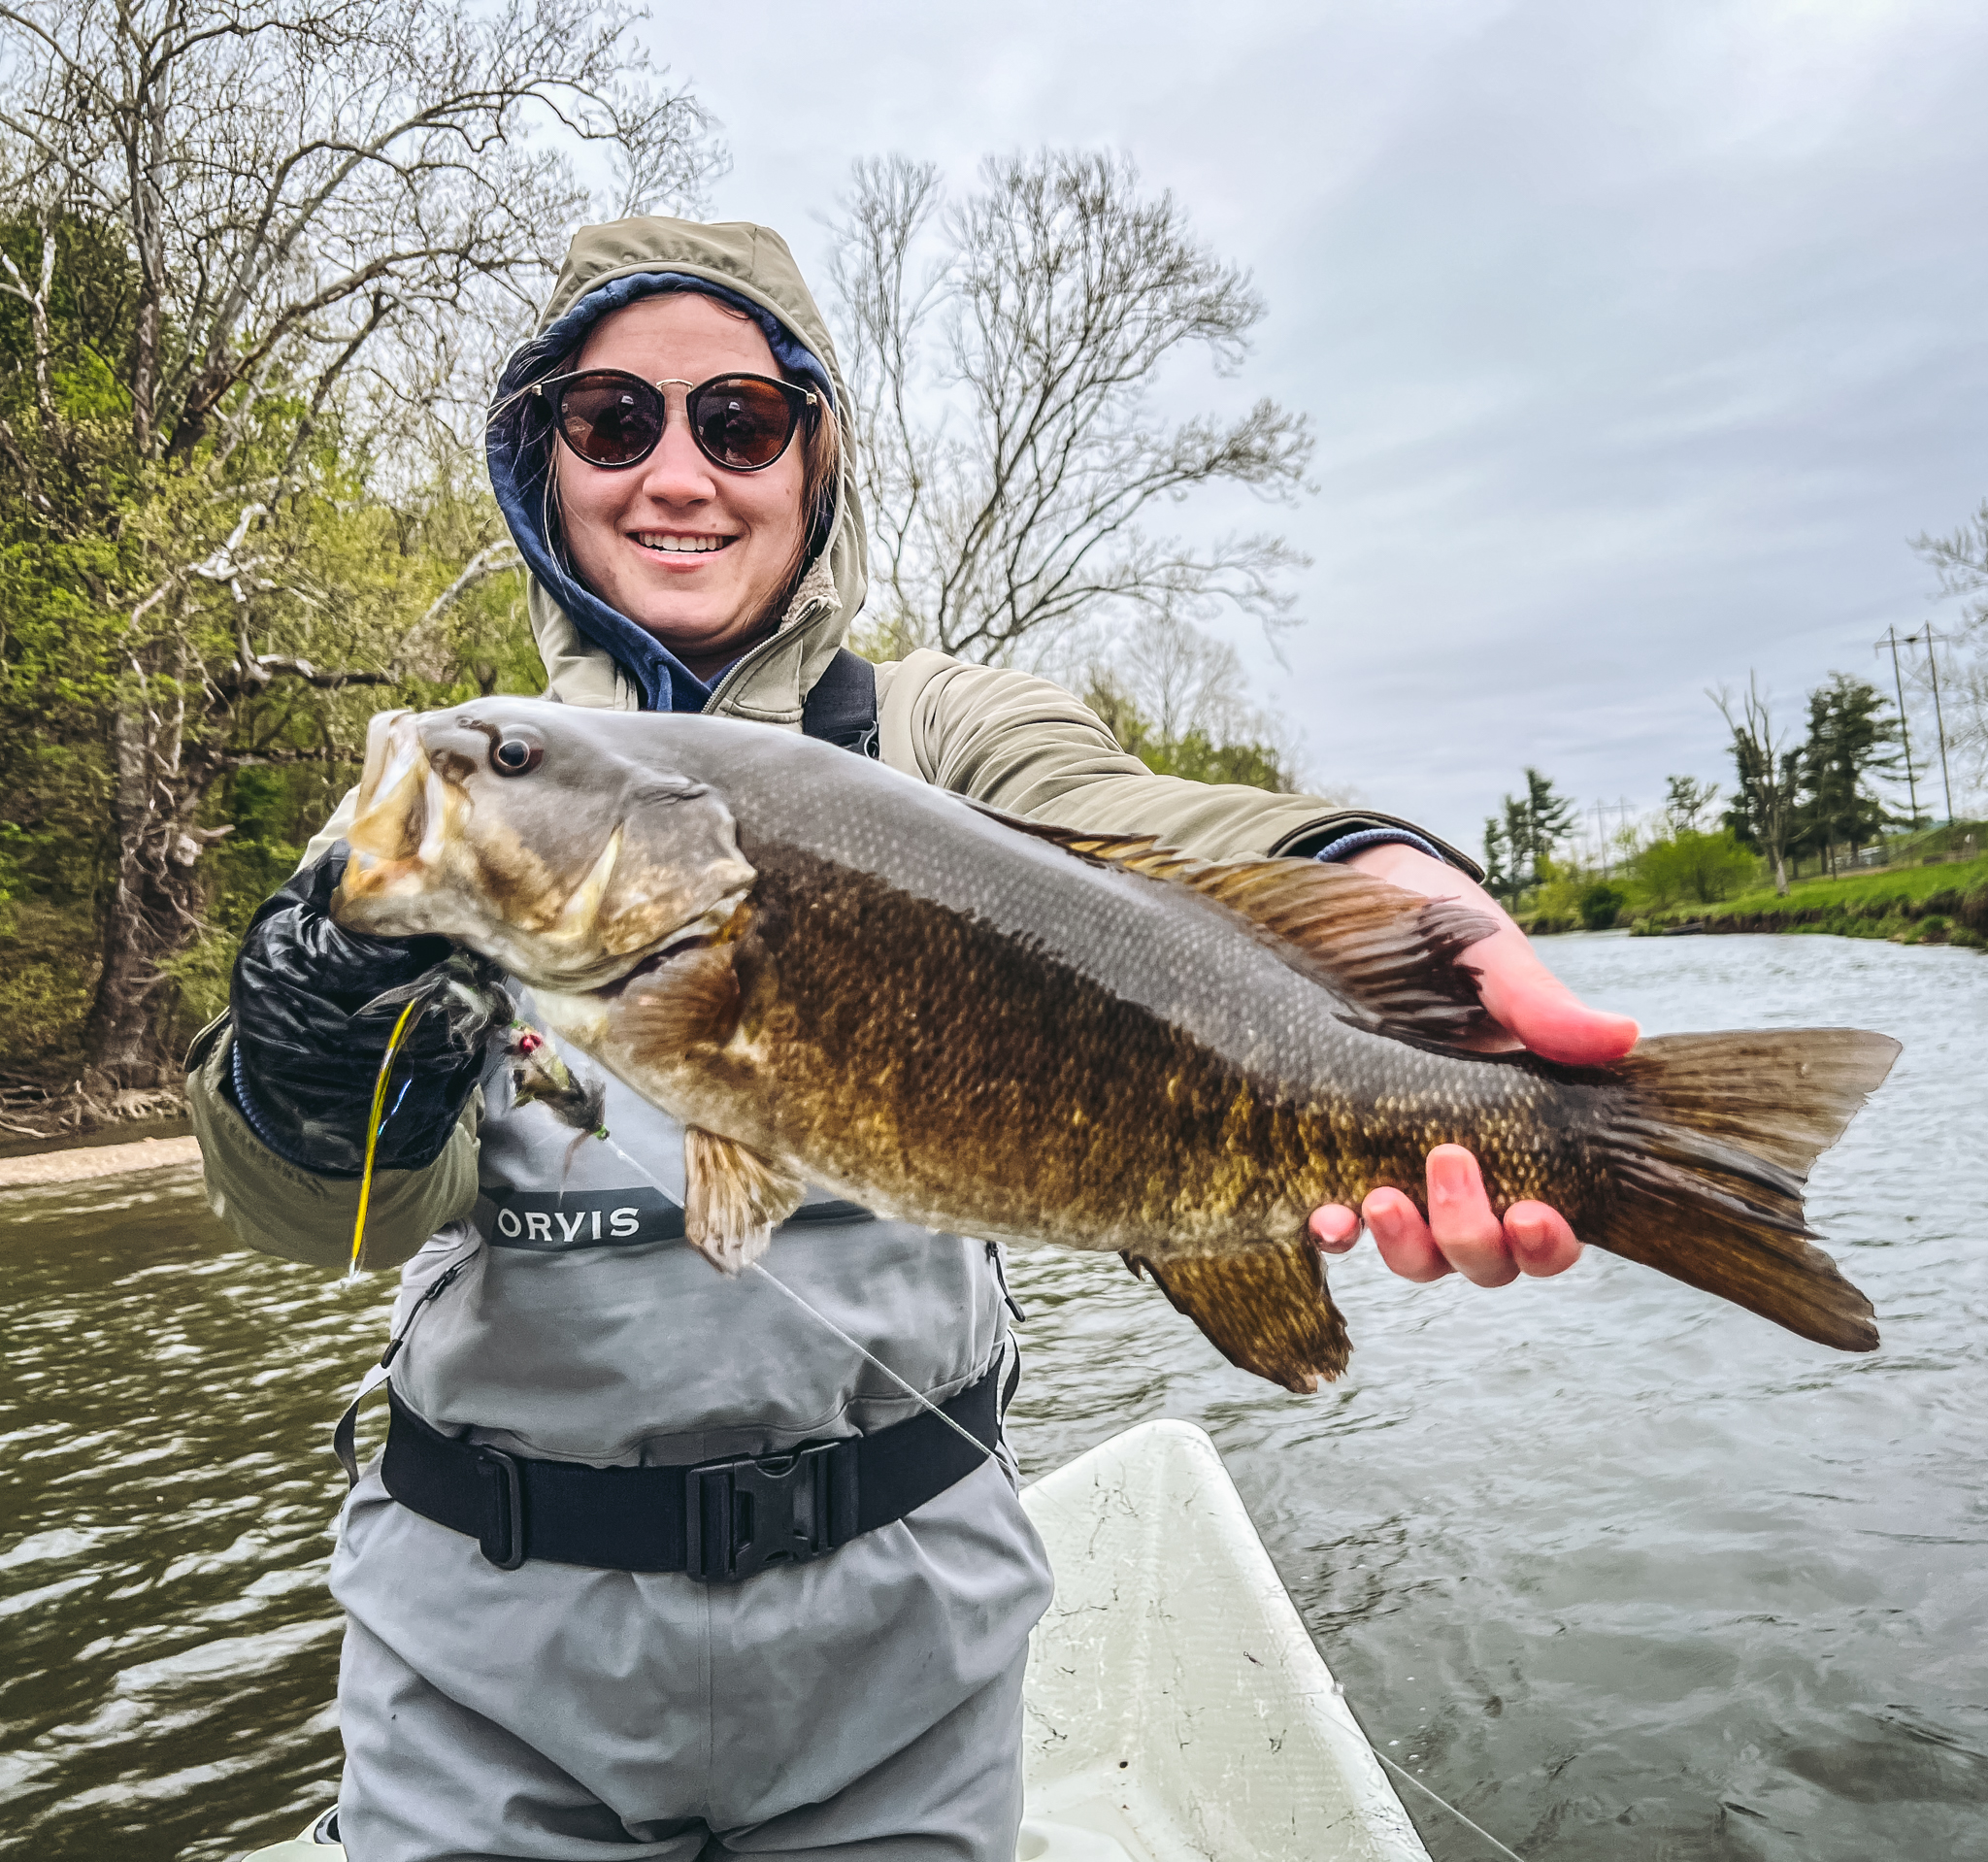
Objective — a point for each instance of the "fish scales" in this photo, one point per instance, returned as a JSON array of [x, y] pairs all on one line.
[[835, 973], [1052, 1002], [1097, 1118]]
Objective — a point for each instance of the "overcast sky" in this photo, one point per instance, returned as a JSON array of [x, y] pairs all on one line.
[[1637, 339]]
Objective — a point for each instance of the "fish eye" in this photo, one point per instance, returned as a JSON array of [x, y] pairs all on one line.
[[515, 755]]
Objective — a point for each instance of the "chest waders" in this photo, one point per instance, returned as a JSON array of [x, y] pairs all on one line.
[[716, 1520]]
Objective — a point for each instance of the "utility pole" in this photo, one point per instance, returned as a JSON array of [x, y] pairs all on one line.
[[1931, 635], [1891, 638]]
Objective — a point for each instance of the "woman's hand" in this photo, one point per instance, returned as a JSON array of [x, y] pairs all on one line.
[[1540, 1012]]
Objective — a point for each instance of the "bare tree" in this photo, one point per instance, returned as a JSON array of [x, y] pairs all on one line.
[[308, 202], [1003, 354], [1769, 775], [1181, 681], [1961, 562]]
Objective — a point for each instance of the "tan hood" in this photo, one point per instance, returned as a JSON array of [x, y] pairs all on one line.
[[773, 679]]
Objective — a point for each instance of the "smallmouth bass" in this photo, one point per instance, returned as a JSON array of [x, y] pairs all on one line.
[[833, 973]]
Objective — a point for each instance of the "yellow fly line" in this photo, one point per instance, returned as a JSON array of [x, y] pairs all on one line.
[[373, 1123]]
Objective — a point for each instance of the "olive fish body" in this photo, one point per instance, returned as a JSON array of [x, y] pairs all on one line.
[[837, 974], [1020, 1088]]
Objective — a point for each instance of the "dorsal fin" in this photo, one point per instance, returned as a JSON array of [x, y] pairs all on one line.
[[1390, 954]]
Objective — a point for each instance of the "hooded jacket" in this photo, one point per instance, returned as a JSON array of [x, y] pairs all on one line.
[[995, 734]]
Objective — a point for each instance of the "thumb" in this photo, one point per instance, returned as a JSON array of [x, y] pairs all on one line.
[[1528, 1000]]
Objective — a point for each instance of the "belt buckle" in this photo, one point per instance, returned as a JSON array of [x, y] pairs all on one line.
[[741, 1517], [505, 1548]]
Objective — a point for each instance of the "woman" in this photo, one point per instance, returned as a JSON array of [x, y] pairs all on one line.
[[534, 1667]]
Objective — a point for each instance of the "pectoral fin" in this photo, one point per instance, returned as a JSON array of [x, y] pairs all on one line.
[[1265, 1310], [688, 1000], [733, 1200]]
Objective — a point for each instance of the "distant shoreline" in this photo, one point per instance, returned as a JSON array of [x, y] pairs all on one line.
[[1947, 903]]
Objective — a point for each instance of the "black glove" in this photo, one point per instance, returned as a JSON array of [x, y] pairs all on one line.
[[306, 1060]]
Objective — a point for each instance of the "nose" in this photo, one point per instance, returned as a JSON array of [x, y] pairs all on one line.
[[677, 473], [456, 740]]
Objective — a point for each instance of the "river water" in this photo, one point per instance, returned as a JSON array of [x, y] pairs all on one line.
[[1621, 1571]]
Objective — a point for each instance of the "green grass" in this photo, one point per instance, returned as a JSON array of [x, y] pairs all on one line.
[[1902, 887], [1944, 904]]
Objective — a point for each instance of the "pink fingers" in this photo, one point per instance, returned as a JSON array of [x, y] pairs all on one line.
[[1402, 1236], [1334, 1227], [1461, 1233], [1461, 1222], [1542, 1241]]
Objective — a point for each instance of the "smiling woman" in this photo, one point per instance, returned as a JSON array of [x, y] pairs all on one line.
[[702, 555], [533, 1660]]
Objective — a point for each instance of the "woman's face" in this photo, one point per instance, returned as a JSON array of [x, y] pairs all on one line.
[[690, 551]]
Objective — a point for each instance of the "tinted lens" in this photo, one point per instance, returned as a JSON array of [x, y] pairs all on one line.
[[610, 419], [742, 423]]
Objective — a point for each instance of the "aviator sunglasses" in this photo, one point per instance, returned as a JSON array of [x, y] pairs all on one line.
[[612, 419]]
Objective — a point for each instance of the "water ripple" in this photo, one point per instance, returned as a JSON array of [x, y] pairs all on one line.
[[1626, 1574]]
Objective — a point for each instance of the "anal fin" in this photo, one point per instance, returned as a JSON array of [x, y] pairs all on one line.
[[1265, 1309], [734, 1199]]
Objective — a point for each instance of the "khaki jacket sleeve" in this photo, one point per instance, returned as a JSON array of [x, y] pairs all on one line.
[[279, 1208], [1022, 744]]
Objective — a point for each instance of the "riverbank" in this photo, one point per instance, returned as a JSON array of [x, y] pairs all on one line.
[[83, 1162], [1942, 904]]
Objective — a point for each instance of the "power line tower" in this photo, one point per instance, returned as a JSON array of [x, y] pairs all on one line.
[[1891, 640], [1929, 634]]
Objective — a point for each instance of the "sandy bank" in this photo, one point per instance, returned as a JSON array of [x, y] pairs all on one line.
[[100, 1160]]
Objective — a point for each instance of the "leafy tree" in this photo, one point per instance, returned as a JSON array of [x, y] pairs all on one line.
[[1601, 903], [1685, 799], [253, 261], [1549, 816], [1498, 876], [1689, 865], [1852, 734], [1520, 847]]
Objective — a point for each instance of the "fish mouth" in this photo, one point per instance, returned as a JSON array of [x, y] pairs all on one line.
[[400, 815], [417, 868]]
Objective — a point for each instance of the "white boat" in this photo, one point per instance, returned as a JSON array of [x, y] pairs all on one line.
[[1176, 1709]]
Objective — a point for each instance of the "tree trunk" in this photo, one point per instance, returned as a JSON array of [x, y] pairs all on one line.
[[153, 912], [1781, 873]]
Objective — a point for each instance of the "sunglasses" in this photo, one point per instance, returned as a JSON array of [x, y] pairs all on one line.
[[613, 419]]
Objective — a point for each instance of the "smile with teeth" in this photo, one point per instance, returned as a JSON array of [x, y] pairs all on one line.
[[672, 544]]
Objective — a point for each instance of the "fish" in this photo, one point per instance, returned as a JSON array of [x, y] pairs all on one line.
[[833, 974]]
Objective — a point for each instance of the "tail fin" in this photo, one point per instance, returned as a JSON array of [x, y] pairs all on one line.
[[1709, 1157]]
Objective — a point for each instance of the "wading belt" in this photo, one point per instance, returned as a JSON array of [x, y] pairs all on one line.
[[718, 1520]]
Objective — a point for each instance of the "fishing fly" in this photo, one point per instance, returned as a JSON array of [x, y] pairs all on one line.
[[468, 992]]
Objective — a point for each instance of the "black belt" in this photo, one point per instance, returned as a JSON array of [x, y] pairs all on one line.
[[717, 1520]]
